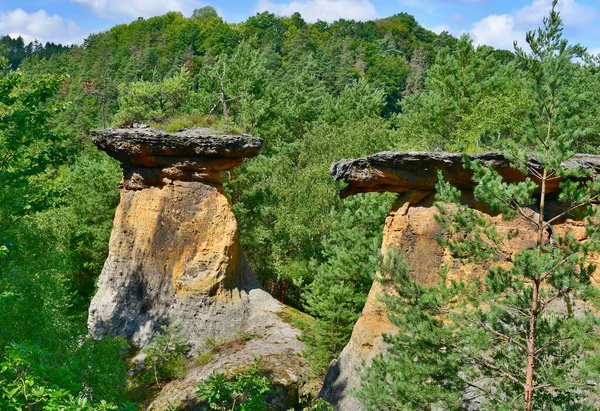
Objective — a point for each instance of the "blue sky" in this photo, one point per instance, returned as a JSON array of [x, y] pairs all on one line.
[[492, 22]]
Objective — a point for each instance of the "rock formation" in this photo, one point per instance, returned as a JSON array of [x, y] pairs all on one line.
[[411, 228], [399, 172], [175, 257]]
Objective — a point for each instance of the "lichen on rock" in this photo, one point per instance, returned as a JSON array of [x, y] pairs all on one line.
[[153, 158], [398, 172]]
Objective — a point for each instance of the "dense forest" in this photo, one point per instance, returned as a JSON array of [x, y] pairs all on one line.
[[15, 50], [316, 93]]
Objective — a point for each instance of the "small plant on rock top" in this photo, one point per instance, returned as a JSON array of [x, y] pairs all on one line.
[[246, 391]]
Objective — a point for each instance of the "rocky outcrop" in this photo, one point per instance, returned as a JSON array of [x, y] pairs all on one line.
[[175, 257], [151, 157], [399, 172], [411, 228]]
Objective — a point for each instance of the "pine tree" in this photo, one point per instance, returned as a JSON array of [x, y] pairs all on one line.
[[339, 291], [503, 341]]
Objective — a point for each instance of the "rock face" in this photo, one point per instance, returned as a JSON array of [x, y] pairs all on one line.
[[150, 157], [400, 172], [175, 256], [411, 228]]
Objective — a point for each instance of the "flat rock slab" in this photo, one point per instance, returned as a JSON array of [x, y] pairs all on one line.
[[402, 171], [126, 144], [153, 157]]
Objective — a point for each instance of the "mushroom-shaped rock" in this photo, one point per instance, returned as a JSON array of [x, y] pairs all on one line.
[[411, 227], [175, 257]]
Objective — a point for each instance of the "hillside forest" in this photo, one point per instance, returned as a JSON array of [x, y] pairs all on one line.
[[315, 93]]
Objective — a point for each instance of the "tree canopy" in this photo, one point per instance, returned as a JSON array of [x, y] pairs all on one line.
[[315, 92]]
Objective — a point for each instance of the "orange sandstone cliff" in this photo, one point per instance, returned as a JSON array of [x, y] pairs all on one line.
[[412, 229]]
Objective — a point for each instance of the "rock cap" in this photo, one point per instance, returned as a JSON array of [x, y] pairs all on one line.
[[152, 157], [403, 171]]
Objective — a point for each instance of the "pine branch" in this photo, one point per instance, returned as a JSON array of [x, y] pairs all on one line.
[[533, 171], [537, 387], [498, 334], [574, 207], [212, 109], [521, 312], [497, 369], [550, 344]]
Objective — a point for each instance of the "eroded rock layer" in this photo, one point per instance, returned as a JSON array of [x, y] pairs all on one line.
[[175, 257], [398, 172], [412, 229], [153, 158]]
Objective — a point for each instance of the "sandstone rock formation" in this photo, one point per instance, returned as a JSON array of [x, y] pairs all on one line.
[[411, 228], [400, 172], [175, 257]]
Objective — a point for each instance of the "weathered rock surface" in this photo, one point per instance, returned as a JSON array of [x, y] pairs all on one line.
[[276, 347], [175, 257], [398, 172], [411, 228], [151, 157]]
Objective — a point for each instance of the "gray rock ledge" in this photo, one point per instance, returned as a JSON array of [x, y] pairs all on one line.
[[403, 171], [152, 157]]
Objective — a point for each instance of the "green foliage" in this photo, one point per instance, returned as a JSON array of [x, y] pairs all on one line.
[[27, 382], [470, 101], [234, 84], [421, 366], [15, 50], [311, 91], [30, 150], [509, 339], [187, 120], [317, 404], [46, 358], [245, 391], [79, 225], [204, 13], [284, 236], [315, 93], [152, 101], [166, 355], [37, 315], [338, 293]]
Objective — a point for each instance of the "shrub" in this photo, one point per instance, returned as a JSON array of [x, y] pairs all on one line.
[[246, 391], [166, 355]]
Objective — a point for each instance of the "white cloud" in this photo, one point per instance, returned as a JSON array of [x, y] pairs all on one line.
[[139, 8], [327, 10], [501, 30], [572, 13], [498, 31], [39, 25], [594, 51]]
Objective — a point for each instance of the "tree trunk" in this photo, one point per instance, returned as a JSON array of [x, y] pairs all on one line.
[[224, 103], [223, 95], [531, 348], [283, 290]]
